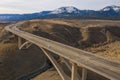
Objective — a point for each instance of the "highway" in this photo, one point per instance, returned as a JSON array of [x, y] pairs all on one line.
[[97, 64]]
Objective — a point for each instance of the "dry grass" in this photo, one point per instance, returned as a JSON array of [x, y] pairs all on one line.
[[110, 51], [87, 23], [50, 75], [77, 33]]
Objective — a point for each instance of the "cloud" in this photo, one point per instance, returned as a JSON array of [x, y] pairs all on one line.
[[4, 10]]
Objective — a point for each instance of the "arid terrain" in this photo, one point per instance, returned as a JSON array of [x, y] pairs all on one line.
[[101, 37]]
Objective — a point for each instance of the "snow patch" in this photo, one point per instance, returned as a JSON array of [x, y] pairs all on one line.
[[115, 8], [69, 9]]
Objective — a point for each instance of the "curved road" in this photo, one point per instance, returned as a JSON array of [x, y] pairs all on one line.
[[100, 65]]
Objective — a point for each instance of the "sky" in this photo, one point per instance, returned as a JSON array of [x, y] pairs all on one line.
[[31, 6]]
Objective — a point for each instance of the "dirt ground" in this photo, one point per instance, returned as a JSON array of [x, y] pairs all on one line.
[[110, 51], [50, 74]]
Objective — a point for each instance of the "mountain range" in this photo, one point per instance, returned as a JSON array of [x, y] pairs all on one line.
[[69, 12]]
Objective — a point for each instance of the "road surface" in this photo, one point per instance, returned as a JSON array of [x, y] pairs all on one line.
[[100, 65]]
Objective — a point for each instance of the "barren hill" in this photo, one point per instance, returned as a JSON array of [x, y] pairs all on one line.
[[102, 37]]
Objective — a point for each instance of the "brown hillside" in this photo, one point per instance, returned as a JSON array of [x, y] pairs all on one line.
[[98, 36]]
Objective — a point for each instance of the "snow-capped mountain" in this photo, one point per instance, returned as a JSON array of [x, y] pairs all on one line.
[[69, 9], [112, 8], [69, 12]]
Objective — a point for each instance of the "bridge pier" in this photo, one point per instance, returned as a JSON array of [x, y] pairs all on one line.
[[24, 45], [19, 41], [56, 65], [74, 72], [70, 67], [104, 67], [74, 69], [84, 73]]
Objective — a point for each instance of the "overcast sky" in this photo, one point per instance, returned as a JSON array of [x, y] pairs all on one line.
[[31, 6]]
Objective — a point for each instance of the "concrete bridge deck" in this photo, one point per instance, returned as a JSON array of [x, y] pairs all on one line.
[[87, 60]]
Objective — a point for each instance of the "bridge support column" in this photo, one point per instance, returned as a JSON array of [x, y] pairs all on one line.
[[84, 73], [67, 63], [70, 68], [19, 41], [25, 45], [56, 65], [74, 72]]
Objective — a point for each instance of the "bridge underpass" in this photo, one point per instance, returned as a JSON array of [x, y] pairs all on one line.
[[22, 44], [72, 57]]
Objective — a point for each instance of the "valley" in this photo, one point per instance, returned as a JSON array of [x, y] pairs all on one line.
[[101, 37]]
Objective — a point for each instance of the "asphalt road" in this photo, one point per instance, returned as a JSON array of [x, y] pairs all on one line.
[[100, 65]]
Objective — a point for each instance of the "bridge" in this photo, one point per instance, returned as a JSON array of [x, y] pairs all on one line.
[[72, 57]]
